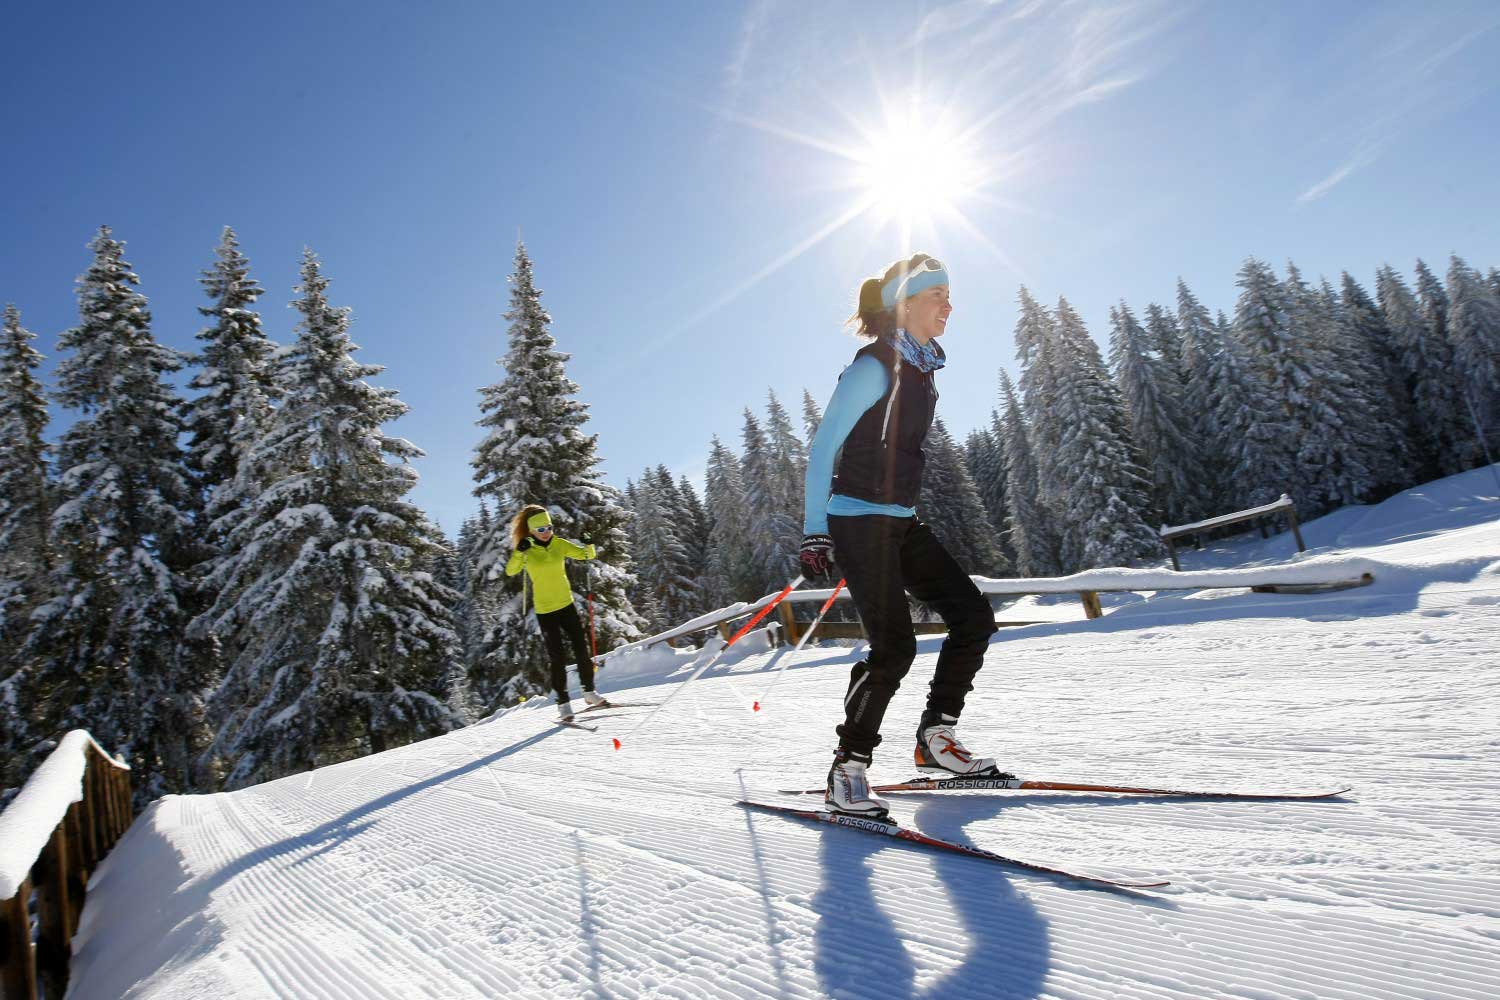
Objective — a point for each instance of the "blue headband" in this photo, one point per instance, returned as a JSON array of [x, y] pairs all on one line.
[[928, 274]]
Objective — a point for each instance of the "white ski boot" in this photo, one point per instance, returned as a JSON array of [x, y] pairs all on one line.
[[564, 710], [849, 787], [939, 752], [594, 699]]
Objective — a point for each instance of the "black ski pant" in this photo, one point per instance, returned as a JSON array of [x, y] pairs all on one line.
[[554, 624], [882, 558]]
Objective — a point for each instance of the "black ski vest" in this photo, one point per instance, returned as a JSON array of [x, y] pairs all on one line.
[[882, 458]]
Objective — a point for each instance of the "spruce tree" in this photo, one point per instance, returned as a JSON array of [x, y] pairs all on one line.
[[951, 504], [986, 464], [25, 503], [812, 416], [1202, 349], [731, 569], [1339, 453], [1368, 334], [1474, 332], [335, 644], [1031, 527], [775, 533], [1250, 427], [25, 510], [787, 462], [234, 381], [536, 450], [1426, 360], [1266, 325], [1159, 427], [1166, 340], [103, 649], [662, 568]]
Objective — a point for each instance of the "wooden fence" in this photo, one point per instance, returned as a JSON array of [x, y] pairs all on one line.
[[88, 793]]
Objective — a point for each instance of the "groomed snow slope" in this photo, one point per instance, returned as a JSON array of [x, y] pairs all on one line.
[[515, 858]]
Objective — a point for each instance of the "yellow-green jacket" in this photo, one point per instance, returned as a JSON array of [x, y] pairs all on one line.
[[549, 576]]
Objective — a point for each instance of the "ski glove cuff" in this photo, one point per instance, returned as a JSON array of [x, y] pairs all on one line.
[[816, 555]]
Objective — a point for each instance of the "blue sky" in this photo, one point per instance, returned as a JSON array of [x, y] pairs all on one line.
[[687, 177]]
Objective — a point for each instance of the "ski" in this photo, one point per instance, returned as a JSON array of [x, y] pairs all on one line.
[[891, 828], [575, 725], [1012, 783], [616, 704]]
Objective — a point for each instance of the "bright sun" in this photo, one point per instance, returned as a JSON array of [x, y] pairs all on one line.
[[914, 170]]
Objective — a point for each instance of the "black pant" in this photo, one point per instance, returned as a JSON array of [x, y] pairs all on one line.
[[882, 558], [554, 624]]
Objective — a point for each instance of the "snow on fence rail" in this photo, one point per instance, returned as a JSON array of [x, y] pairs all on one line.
[[1329, 573], [70, 813], [1283, 505]]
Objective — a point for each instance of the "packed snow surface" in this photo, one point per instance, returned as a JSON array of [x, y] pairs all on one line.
[[518, 858]]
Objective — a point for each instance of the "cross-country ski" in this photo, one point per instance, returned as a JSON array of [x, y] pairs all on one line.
[[1011, 783]]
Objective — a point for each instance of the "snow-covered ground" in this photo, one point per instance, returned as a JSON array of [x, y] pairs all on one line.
[[516, 858]]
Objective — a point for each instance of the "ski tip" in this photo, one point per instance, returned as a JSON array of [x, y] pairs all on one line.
[[616, 742]]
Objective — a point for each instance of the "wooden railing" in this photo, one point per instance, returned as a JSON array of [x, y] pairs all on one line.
[[1301, 578], [1284, 505], [82, 796]]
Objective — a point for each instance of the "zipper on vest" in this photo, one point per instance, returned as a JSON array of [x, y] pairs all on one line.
[[891, 401]]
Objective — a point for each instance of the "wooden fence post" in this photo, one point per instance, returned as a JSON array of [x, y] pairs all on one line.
[[789, 619], [55, 921], [17, 964], [1091, 606], [78, 881]]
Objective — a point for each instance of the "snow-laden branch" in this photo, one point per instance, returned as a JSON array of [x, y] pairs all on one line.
[[27, 823]]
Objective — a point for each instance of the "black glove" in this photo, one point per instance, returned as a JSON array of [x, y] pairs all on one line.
[[588, 539], [524, 544], [816, 556]]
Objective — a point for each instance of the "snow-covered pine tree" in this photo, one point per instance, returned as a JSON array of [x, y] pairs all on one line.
[[476, 613], [1031, 527], [1377, 428], [1036, 348], [812, 416], [661, 561], [1166, 339], [1251, 429], [690, 523], [1334, 451], [775, 533], [25, 510], [1159, 427], [695, 530], [788, 461], [1267, 326], [1494, 280], [1433, 299], [1431, 378], [951, 504], [235, 384], [1474, 332], [536, 450], [334, 645], [1367, 331], [986, 464], [730, 567], [1202, 347], [25, 503], [103, 649]]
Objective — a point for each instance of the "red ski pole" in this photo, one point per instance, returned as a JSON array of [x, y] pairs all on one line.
[[755, 620]]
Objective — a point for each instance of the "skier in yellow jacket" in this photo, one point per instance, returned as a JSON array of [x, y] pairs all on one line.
[[543, 557]]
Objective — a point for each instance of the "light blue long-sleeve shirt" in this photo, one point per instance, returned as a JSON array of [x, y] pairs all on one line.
[[862, 385]]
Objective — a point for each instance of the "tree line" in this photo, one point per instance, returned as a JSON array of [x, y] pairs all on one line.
[[232, 587]]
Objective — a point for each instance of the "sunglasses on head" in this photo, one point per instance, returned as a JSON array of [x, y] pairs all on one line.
[[929, 264]]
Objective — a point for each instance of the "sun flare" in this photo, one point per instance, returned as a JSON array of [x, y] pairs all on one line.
[[914, 170]]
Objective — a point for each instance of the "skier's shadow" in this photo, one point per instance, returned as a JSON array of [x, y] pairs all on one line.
[[860, 951]]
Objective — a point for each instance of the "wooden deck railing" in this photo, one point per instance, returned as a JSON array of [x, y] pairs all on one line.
[[82, 796]]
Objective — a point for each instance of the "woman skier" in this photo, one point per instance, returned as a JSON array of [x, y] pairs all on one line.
[[543, 557], [863, 475]]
